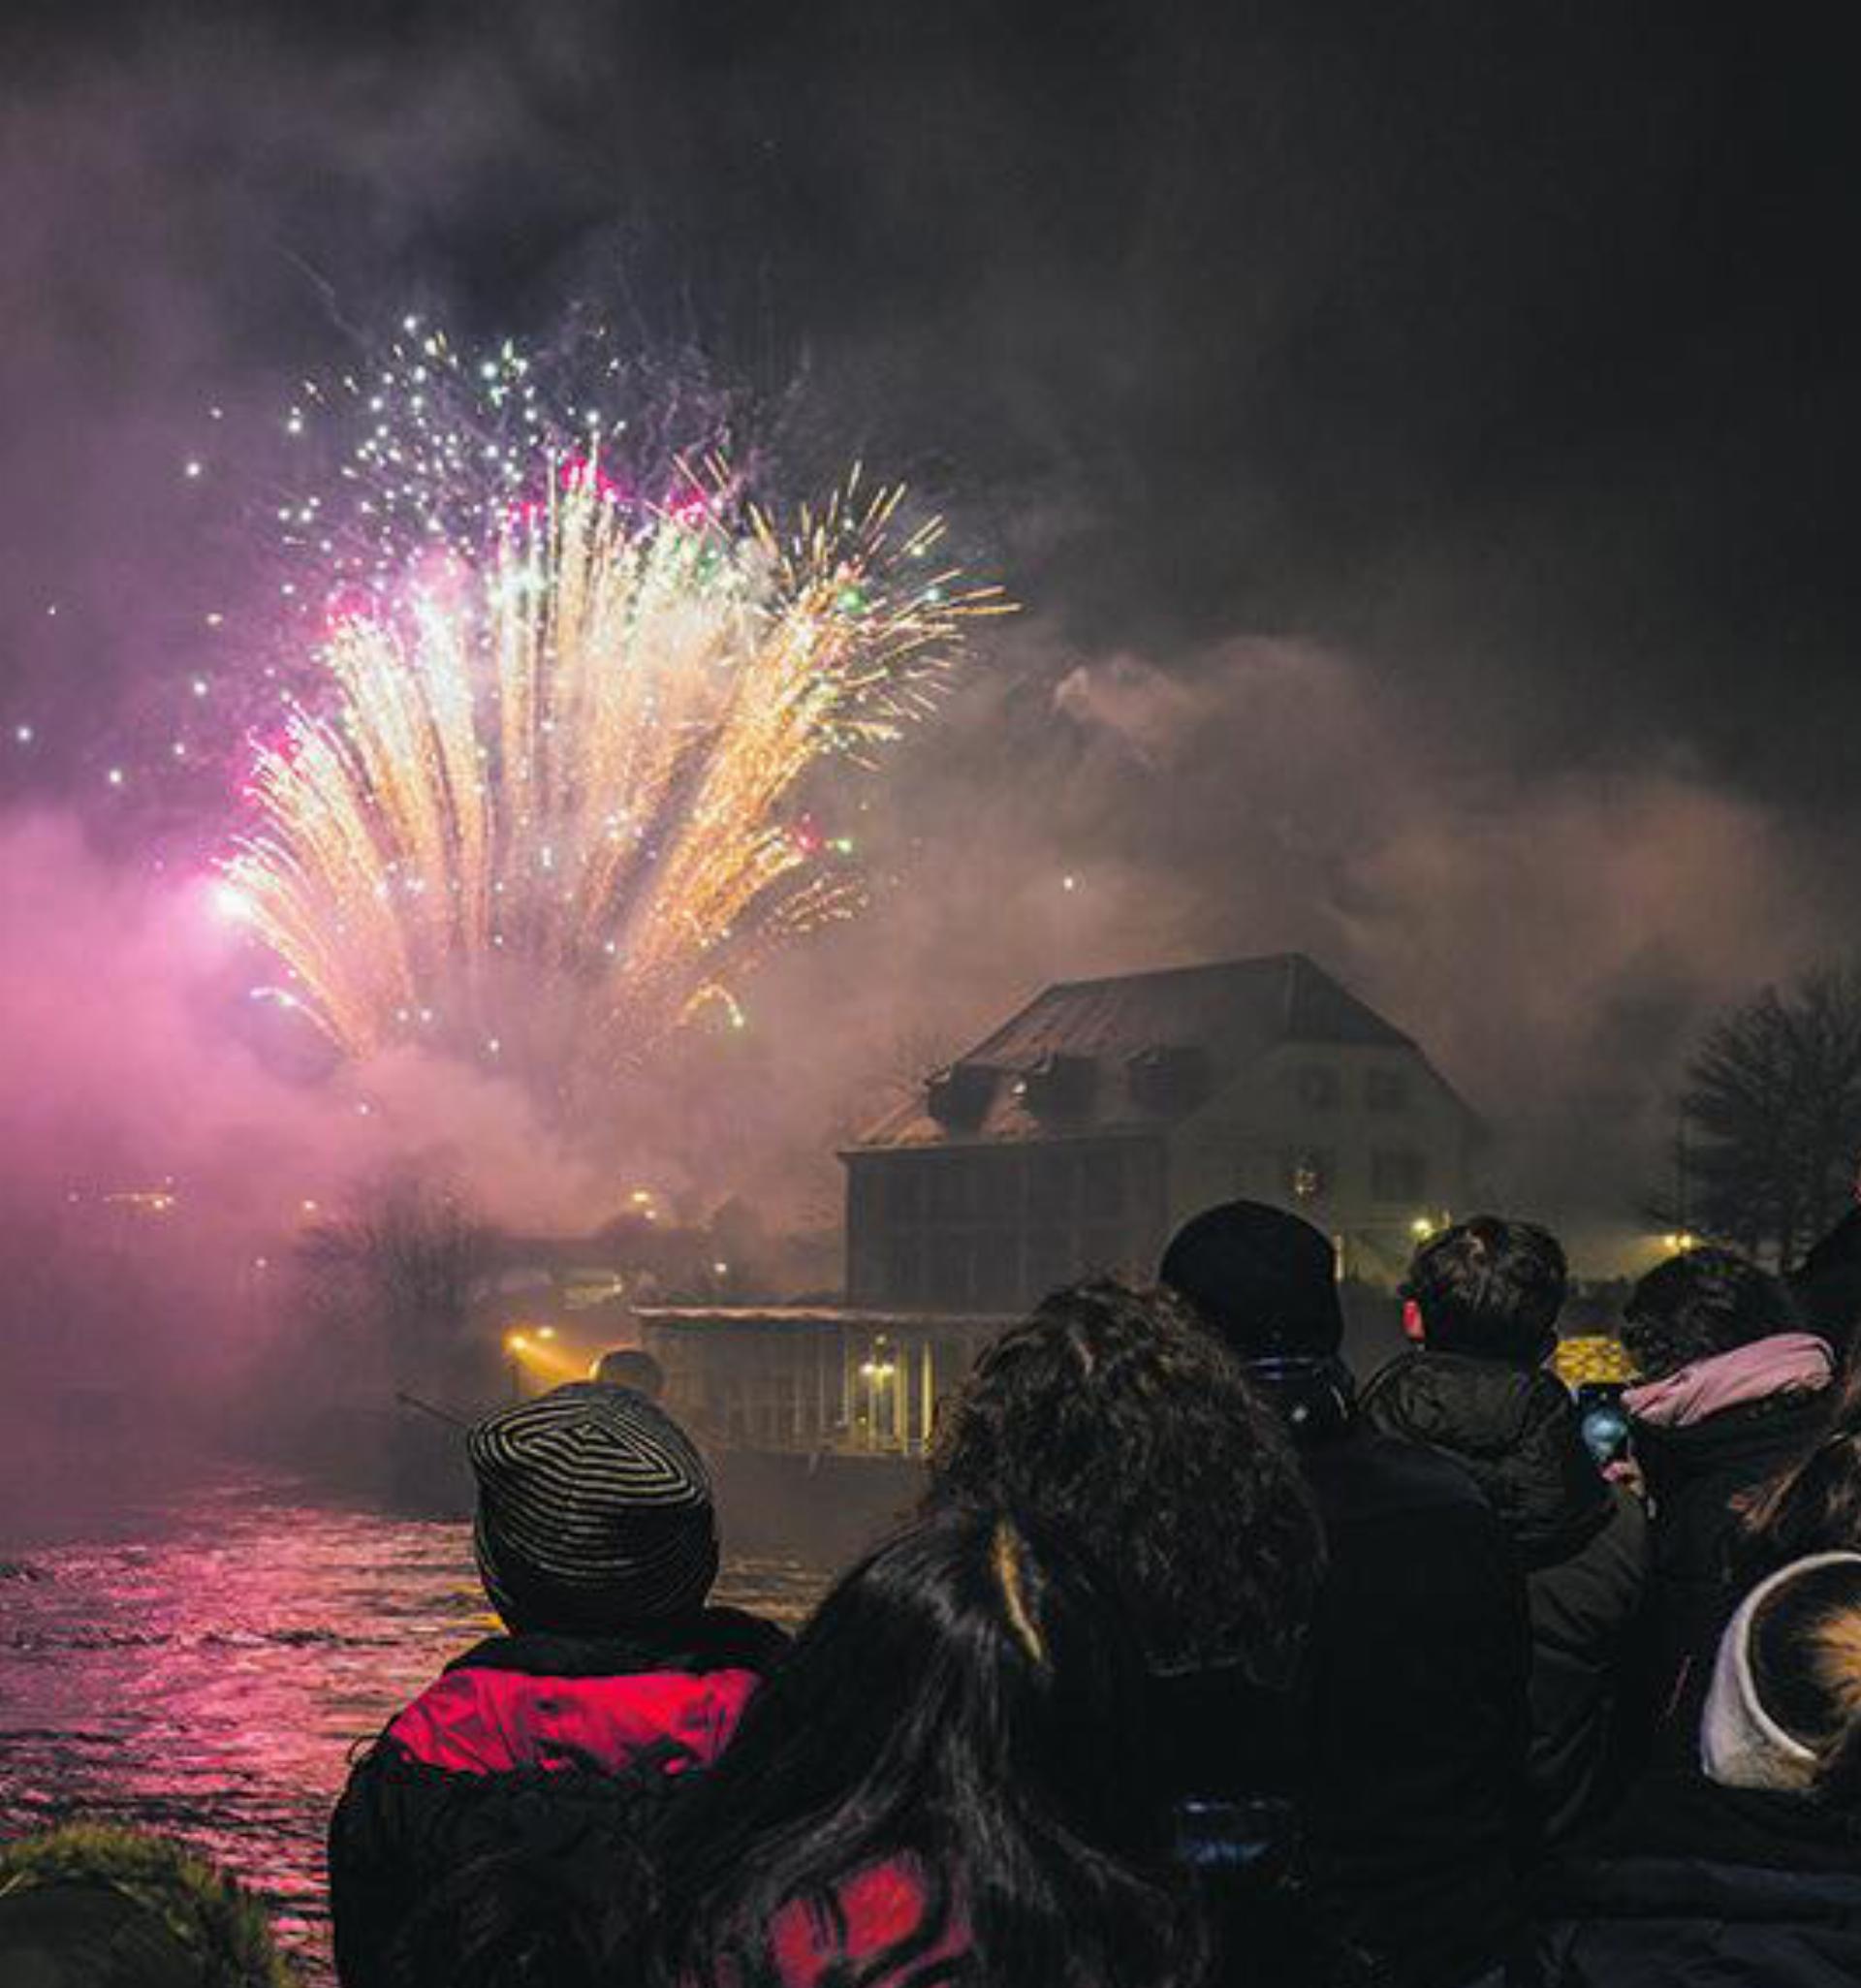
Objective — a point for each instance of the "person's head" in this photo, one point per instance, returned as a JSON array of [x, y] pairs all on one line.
[[594, 1513], [968, 1698], [1827, 1283], [1491, 1289], [629, 1367], [1112, 1413], [1698, 1304], [1784, 1708], [86, 1906], [1263, 1279]]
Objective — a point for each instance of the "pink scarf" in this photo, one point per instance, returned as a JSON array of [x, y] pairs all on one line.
[[1786, 1361]]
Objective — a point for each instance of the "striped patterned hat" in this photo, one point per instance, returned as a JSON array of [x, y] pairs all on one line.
[[595, 1512]]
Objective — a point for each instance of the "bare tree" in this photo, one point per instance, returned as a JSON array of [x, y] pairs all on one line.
[[401, 1269], [1774, 1106]]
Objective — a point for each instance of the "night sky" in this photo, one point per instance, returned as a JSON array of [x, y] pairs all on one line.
[[1421, 439]]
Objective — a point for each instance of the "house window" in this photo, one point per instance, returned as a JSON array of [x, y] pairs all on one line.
[[1319, 1089], [1397, 1173], [1050, 1262], [1308, 1174], [904, 1270], [1102, 1184], [953, 1190], [904, 1190], [1049, 1191], [1386, 1091], [996, 1270]]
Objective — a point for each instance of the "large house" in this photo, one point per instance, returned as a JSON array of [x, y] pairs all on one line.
[[1074, 1138], [1088, 1124]]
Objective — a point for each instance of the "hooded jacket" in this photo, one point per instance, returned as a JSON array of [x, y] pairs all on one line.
[[551, 1750], [1580, 1542]]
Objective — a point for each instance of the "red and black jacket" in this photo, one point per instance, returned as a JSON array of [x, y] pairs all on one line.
[[549, 1749]]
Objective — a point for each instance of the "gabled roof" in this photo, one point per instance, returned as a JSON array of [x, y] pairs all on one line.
[[1282, 997], [1232, 1012]]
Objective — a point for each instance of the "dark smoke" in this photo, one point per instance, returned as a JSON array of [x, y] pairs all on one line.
[[1421, 464]]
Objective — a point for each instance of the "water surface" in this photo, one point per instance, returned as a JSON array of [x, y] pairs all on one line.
[[201, 1661]]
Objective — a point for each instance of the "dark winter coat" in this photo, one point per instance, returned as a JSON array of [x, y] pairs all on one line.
[[1694, 1884], [1582, 1542], [1698, 1479], [547, 1750], [1417, 1812]]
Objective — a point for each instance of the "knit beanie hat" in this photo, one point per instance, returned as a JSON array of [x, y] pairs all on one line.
[[594, 1513], [1740, 1743], [1266, 1280]]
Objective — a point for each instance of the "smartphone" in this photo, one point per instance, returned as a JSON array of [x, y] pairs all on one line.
[[1603, 1420]]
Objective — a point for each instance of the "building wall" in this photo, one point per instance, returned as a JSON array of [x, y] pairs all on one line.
[[848, 1383], [1365, 1140], [993, 1228]]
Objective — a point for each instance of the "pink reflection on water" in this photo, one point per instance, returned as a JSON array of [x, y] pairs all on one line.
[[204, 1665]]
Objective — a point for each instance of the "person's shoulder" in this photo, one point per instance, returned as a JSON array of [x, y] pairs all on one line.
[[1753, 1435], [1370, 1475], [734, 1640], [1677, 1816]]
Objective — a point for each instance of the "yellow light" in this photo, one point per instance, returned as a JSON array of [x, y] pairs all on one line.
[[546, 1332], [1421, 1228], [517, 1342]]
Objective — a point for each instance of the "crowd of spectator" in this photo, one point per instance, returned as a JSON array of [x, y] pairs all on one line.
[[1201, 1665]]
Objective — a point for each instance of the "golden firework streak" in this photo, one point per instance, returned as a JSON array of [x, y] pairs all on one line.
[[547, 817]]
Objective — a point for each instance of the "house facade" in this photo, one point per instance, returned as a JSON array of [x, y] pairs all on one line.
[[1085, 1128]]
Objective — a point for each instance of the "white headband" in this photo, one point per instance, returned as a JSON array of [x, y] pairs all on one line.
[[1740, 1743]]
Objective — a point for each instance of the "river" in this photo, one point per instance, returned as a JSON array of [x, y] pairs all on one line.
[[202, 1660]]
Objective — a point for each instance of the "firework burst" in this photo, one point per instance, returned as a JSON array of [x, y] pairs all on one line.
[[553, 805]]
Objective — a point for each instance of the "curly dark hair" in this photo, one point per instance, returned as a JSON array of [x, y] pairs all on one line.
[[1705, 1302], [1489, 1288], [1113, 1415]]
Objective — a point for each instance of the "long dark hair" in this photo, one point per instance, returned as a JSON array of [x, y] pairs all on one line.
[[1814, 1504], [966, 1703], [1114, 1412]]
